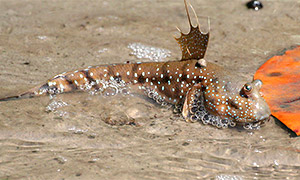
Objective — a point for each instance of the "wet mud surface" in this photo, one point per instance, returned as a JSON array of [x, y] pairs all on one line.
[[68, 137]]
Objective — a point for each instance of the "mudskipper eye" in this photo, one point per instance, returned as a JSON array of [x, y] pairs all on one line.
[[247, 88]]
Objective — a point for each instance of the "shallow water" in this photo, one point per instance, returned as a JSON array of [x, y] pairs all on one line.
[[41, 39]]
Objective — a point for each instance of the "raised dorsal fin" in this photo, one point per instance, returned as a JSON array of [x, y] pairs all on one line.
[[193, 45]]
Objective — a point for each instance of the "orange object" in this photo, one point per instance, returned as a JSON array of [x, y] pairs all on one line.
[[281, 87]]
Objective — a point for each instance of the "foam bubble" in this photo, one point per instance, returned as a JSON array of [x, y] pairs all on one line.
[[156, 97], [251, 126], [42, 37], [113, 87], [142, 51], [54, 105], [228, 177], [102, 50], [201, 114]]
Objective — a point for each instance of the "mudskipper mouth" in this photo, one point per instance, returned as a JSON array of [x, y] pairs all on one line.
[[266, 119], [257, 124]]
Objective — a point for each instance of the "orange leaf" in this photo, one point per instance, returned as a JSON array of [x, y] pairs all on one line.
[[281, 88]]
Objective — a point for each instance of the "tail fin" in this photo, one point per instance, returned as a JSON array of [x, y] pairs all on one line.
[[87, 79], [66, 82], [36, 91]]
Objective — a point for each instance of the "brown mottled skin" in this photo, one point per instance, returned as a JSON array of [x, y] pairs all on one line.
[[174, 82]]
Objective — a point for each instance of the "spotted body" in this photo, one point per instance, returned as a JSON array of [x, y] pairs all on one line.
[[206, 91]]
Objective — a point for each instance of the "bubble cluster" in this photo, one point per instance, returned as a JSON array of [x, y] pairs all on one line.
[[110, 87], [153, 53], [54, 105], [228, 177], [156, 97], [252, 126], [199, 113]]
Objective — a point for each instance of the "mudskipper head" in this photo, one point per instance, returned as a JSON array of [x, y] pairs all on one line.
[[236, 105], [256, 108]]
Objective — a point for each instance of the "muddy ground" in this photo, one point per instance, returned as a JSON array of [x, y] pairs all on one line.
[[39, 39]]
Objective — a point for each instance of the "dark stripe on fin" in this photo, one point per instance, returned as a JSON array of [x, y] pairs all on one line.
[[141, 79], [70, 83], [134, 68], [88, 77], [111, 71], [91, 79]]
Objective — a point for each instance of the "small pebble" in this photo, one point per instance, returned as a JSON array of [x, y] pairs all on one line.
[[254, 4]]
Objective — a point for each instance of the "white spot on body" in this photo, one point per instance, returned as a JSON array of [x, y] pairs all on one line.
[[51, 83], [61, 87]]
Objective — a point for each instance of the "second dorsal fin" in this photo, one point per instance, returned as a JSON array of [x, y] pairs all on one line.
[[193, 45]]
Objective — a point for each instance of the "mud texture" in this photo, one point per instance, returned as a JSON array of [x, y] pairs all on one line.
[[39, 39]]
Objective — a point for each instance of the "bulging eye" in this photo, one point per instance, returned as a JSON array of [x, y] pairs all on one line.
[[247, 89]]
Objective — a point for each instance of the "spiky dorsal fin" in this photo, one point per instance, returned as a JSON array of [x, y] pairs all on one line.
[[193, 45]]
